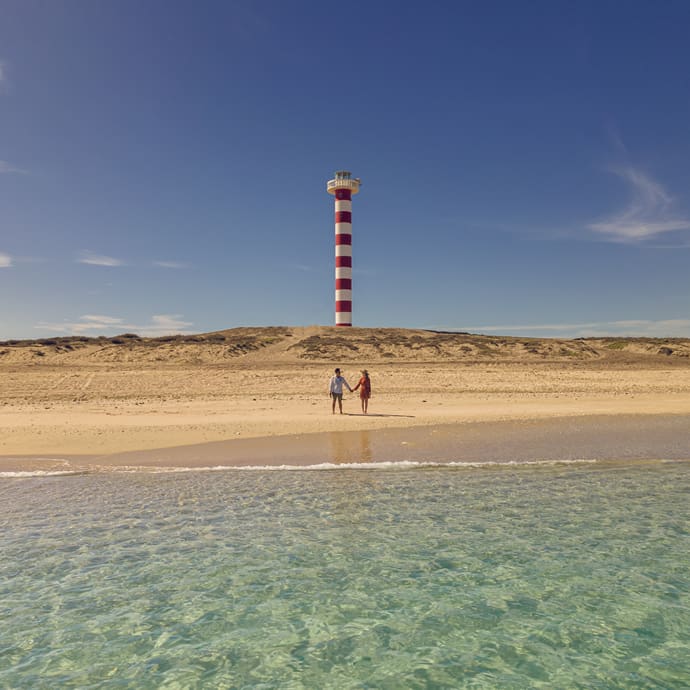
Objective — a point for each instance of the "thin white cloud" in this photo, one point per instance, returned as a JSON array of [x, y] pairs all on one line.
[[648, 214], [98, 260], [303, 267], [5, 260], [170, 264], [7, 168], [616, 139], [100, 319], [533, 327], [3, 75], [100, 324], [668, 328], [89, 324], [165, 324]]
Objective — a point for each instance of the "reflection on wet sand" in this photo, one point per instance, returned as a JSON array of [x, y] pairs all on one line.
[[347, 447]]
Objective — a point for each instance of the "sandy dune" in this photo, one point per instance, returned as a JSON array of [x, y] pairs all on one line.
[[106, 395]]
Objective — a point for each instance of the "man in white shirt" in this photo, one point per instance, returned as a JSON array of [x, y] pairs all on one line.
[[335, 390]]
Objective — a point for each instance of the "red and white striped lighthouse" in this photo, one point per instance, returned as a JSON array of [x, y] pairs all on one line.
[[343, 187]]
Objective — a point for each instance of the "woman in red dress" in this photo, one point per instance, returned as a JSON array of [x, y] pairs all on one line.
[[364, 386]]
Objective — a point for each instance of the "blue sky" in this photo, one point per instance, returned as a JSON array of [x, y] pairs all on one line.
[[525, 165]]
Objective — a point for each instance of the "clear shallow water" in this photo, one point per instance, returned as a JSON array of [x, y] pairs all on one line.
[[566, 576]]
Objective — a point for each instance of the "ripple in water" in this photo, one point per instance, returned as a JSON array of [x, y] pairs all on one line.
[[542, 577]]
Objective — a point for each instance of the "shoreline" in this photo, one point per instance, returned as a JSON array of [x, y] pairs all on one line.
[[619, 437], [261, 393]]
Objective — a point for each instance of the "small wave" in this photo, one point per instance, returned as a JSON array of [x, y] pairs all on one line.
[[390, 465], [39, 473], [384, 465], [412, 464]]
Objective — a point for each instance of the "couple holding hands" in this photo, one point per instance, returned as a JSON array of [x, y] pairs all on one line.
[[335, 390]]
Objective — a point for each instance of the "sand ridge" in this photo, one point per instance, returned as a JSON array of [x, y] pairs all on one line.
[[257, 345]]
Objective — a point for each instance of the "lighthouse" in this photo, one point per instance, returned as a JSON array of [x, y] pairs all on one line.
[[343, 186]]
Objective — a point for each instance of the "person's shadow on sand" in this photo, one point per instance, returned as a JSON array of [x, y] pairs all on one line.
[[376, 414]]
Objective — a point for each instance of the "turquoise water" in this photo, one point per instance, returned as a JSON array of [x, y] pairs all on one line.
[[553, 576]]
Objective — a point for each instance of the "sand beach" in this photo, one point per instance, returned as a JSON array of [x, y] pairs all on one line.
[[257, 391]]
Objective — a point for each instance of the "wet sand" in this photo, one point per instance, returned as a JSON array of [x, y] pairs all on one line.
[[597, 438]]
